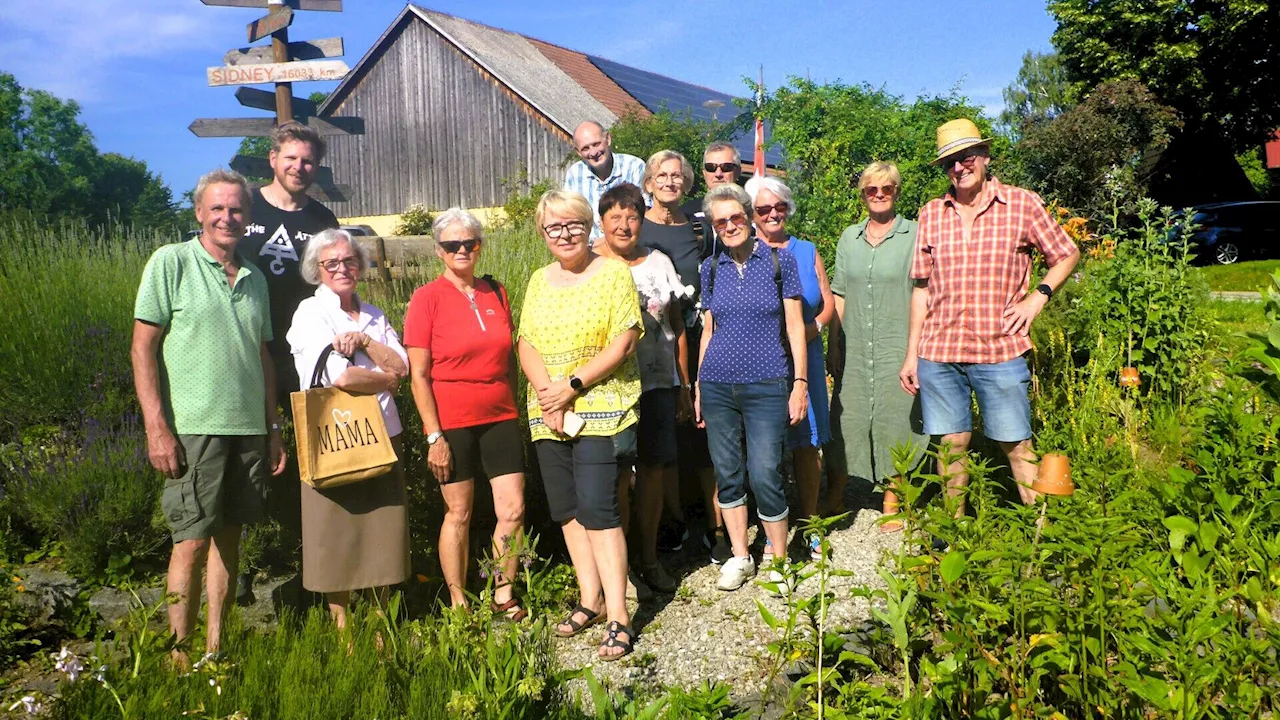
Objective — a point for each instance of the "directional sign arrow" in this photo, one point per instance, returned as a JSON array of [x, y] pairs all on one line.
[[262, 127], [277, 72], [278, 19], [325, 5], [263, 100], [301, 50]]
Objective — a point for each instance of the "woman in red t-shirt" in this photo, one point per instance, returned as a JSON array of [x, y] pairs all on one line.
[[458, 332]]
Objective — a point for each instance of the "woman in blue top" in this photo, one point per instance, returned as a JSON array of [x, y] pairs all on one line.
[[772, 204], [746, 386]]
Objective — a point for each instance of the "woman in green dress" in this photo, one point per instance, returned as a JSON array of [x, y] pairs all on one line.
[[872, 286]]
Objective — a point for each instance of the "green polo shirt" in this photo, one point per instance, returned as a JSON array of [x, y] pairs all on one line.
[[210, 363]]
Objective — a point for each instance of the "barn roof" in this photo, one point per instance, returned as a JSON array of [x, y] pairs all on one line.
[[564, 85]]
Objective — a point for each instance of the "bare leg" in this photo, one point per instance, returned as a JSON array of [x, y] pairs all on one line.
[[891, 506], [735, 522], [609, 550], [220, 581], [590, 591], [338, 602], [833, 503], [455, 531], [508, 534], [707, 478], [1022, 462], [808, 470], [956, 445], [186, 566], [649, 491], [776, 531], [625, 478]]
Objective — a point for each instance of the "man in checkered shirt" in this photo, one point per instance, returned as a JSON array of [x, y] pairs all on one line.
[[971, 311]]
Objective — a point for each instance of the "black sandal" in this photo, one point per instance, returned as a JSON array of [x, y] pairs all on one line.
[[503, 610], [593, 618], [611, 641]]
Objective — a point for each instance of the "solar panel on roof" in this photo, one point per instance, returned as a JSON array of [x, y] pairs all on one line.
[[656, 92]]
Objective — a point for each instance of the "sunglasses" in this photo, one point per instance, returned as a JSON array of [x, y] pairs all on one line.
[[722, 167], [965, 157], [737, 219], [453, 246], [765, 211], [350, 263], [575, 229], [875, 191]]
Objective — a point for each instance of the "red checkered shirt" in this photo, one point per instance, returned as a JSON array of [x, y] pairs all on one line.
[[973, 280]]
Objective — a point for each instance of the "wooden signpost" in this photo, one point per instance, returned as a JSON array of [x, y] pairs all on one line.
[[281, 63]]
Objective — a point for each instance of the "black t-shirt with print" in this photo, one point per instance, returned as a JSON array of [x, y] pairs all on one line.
[[275, 240]]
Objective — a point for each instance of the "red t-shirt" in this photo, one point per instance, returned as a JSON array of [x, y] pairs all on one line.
[[470, 351]]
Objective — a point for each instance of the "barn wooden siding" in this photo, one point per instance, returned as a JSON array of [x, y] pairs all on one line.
[[439, 130]]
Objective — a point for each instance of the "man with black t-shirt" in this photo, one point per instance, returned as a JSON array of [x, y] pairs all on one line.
[[282, 219]]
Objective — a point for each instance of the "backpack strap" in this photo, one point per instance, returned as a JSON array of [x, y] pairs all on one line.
[[502, 298]]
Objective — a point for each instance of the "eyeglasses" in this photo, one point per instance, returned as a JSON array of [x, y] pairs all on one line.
[[664, 178], [964, 157], [351, 263], [765, 211], [577, 228], [453, 246], [737, 219], [875, 191], [722, 167]]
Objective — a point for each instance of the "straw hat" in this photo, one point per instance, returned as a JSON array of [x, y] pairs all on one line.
[[957, 135]]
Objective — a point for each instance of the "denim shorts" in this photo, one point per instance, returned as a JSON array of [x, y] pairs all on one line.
[[1001, 389], [754, 414]]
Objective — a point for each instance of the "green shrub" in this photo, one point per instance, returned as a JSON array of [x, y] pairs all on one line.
[[415, 221], [522, 198]]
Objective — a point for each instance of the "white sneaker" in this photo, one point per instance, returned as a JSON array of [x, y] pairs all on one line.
[[780, 580], [735, 572]]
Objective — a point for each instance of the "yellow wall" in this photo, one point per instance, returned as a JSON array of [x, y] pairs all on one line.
[[385, 225]]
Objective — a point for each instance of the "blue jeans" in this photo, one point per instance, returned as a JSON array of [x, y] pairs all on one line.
[[1001, 388], [758, 410]]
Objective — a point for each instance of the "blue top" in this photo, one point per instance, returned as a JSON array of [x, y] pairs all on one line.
[[746, 344], [807, 262]]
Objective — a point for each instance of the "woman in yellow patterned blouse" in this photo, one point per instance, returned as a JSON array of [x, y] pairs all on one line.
[[578, 331]]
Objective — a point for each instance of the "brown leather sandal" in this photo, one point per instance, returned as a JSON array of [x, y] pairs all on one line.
[[504, 610], [611, 640]]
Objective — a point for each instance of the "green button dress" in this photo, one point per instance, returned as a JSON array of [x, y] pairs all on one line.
[[873, 412]]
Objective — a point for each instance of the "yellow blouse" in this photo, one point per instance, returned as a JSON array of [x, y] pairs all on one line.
[[571, 325]]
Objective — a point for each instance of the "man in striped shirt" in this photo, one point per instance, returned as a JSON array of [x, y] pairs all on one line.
[[971, 311], [600, 168]]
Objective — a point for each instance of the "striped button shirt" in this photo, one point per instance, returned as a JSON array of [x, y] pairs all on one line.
[[973, 277], [580, 179]]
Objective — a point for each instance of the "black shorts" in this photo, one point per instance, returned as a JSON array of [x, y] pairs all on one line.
[[497, 448], [656, 433], [581, 480]]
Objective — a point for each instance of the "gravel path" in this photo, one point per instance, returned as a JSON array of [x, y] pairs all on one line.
[[706, 634]]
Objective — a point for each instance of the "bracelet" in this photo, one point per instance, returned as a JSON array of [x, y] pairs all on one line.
[[803, 380]]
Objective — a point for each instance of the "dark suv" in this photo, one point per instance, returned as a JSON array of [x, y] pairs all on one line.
[[1234, 231]]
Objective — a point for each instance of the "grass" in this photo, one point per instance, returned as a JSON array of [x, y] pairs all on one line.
[[1235, 316], [1240, 277]]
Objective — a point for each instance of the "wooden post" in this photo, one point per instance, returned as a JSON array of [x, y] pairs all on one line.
[[380, 257], [284, 91]]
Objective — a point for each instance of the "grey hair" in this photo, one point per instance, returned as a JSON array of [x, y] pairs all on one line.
[[726, 192], [219, 177], [309, 268], [456, 216], [722, 145], [773, 185]]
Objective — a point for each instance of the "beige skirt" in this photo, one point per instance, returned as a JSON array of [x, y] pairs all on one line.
[[356, 536]]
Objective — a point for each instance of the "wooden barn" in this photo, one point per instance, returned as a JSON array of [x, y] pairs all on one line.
[[454, 109]]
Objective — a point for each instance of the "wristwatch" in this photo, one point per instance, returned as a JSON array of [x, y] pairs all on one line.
[[1045, 290], [433, 437], [575, 382]]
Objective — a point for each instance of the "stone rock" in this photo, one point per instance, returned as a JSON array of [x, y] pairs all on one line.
[[113, 605], [47, 593]]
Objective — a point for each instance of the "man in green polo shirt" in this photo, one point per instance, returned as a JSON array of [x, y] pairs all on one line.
[[203, 377]]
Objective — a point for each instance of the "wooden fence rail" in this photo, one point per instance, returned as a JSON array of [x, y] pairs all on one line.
[[390, 256]]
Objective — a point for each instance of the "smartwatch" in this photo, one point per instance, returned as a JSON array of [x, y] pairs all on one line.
[[433, 437], [1045, 290], [575, 382]]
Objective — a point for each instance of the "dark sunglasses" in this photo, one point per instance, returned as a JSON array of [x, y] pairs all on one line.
[[964, 157], [722, 167], [873, 190], [350, 263], [737, 219], [453, 246], [765, 211]]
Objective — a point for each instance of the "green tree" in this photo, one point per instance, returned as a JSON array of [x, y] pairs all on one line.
[[1041, 92], [1097, 154], [829, 133], [1214, 61], [644, 135], [126, 191]]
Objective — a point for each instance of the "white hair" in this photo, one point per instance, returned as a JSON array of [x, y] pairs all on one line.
[[456, 216], [309, 268], [719, 146], [773, 185], [218, 177], [726, 192]]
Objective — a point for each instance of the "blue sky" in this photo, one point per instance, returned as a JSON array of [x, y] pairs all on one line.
[[137, 67]]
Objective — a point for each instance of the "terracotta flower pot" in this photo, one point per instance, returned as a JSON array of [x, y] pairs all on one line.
[[1129, 377], [1054, 477]]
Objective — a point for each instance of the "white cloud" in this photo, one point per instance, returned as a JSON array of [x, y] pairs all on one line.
[[70, 47]]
